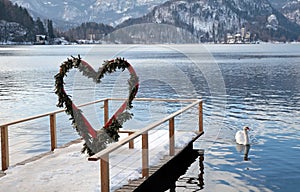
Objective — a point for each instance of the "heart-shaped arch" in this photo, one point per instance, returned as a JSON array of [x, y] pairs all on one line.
[[96, 140]]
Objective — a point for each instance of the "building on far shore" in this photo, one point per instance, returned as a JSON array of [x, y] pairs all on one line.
[[40, 40], [239, 38]]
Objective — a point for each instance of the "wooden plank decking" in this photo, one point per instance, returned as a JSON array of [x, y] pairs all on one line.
[[146, 145], [132, 185], [135, 184], [2, 174], [125, 163]]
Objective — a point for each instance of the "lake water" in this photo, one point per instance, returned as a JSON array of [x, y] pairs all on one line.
[[242, 85]]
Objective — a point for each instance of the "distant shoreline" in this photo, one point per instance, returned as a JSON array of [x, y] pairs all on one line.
[[110, 43]]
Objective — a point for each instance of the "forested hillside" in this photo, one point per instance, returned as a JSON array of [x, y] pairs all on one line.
[[16, 24], [15, 13], [213, 20], [90, 31]]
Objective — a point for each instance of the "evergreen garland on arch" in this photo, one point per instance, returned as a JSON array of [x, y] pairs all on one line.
[[96, 141]]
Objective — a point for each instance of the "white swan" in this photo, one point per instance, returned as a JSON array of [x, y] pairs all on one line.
[[241, 137]]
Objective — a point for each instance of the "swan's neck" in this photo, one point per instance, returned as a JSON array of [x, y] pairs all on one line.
[[246, 137]]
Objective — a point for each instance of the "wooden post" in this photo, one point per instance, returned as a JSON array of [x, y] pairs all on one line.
[[53, 131], [131, 143], [104, 173], [201, 117], [4, 148], [201, 166], [106, 113], [145, 156], [171, 137]]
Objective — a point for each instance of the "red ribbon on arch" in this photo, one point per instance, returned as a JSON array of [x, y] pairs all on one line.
[[92, 132]]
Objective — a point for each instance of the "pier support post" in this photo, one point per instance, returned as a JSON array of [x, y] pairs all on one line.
[[104, 173], [53, 132], [106, 113], [200, 108], [201, 166], [145, 156], [171, 137], [131, 143], [4, 148]]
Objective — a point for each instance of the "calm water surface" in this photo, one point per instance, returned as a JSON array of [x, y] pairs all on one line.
[[242, 85]]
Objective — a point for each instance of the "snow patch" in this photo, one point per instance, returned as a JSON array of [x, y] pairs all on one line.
[[68, 170], [272, 22]]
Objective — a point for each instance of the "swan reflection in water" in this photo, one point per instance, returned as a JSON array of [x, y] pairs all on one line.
[[245, 149]]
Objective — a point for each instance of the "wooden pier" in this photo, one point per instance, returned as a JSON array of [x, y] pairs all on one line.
[[104, 156], [164, 167], [133, 185]]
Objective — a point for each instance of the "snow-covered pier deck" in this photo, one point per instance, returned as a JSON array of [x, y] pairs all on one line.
[[67, 169]]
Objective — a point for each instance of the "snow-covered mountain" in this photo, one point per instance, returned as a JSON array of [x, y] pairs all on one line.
[[205, 19], [279, 3], [76, 12], [292, 11], [214, 19]]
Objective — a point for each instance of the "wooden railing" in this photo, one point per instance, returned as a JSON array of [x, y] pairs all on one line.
[[103, 156], [53, 139]]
